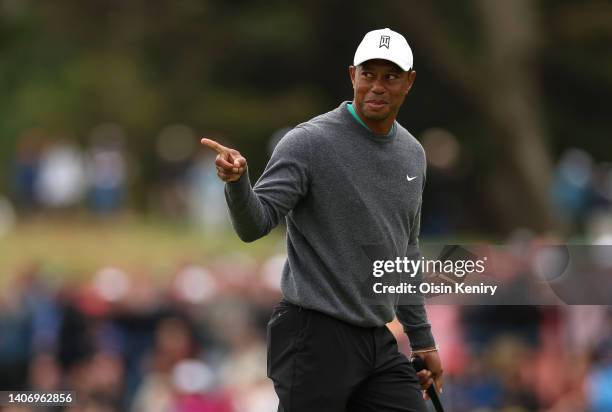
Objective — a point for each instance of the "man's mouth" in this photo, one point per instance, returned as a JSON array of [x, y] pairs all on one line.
[[376, 104]]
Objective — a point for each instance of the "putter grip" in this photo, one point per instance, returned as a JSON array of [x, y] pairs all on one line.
[[419, 365]]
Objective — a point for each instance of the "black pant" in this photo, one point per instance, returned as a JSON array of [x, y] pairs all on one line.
[[321, 364]]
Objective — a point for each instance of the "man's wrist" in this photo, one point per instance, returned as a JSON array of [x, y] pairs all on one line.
[[420, 338]]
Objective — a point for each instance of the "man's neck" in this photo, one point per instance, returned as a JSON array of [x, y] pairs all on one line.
[[380, 127]]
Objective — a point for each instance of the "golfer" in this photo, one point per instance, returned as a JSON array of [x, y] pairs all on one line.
[[344, 181]]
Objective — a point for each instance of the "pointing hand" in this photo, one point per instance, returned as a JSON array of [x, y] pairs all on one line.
[[229, 162]]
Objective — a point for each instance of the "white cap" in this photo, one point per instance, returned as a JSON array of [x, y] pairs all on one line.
[[387, 45]]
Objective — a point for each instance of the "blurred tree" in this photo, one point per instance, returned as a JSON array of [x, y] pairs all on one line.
[[517, 82], [498, 78]]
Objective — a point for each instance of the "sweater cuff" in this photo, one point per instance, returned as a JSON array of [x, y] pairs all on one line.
[[421, 338], [239, 188]]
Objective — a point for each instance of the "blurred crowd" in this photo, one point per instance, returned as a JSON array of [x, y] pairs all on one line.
[[128, 339], [51, 175], [580, 191], [125, 340], [54, 175]]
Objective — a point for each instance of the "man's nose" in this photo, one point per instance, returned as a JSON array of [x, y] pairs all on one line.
[[378, 87]]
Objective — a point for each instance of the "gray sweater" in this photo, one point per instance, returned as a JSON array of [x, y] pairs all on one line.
[[346, 194]]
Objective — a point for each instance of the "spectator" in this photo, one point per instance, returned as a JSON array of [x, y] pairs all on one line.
[[107, 169], [61, 182]]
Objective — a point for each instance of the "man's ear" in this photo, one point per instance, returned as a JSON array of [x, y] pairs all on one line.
[[411, 78], [352, 71]]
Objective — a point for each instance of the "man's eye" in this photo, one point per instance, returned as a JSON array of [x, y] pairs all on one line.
[[392, 76], [367, 75]]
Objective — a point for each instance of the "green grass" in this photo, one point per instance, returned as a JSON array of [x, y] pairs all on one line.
[[74, 247], [77, 247]]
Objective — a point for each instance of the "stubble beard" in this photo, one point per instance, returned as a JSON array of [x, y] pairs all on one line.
[[375, 115]]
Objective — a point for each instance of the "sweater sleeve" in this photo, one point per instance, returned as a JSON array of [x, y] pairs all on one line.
[[413, 317], [255, 211]]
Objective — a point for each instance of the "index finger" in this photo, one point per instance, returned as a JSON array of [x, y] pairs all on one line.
[[217, 147]]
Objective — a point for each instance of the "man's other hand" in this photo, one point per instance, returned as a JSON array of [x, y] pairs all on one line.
[[229, 162], [433, 371]]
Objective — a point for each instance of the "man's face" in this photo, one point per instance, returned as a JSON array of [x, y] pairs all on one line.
[[380, 88]]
